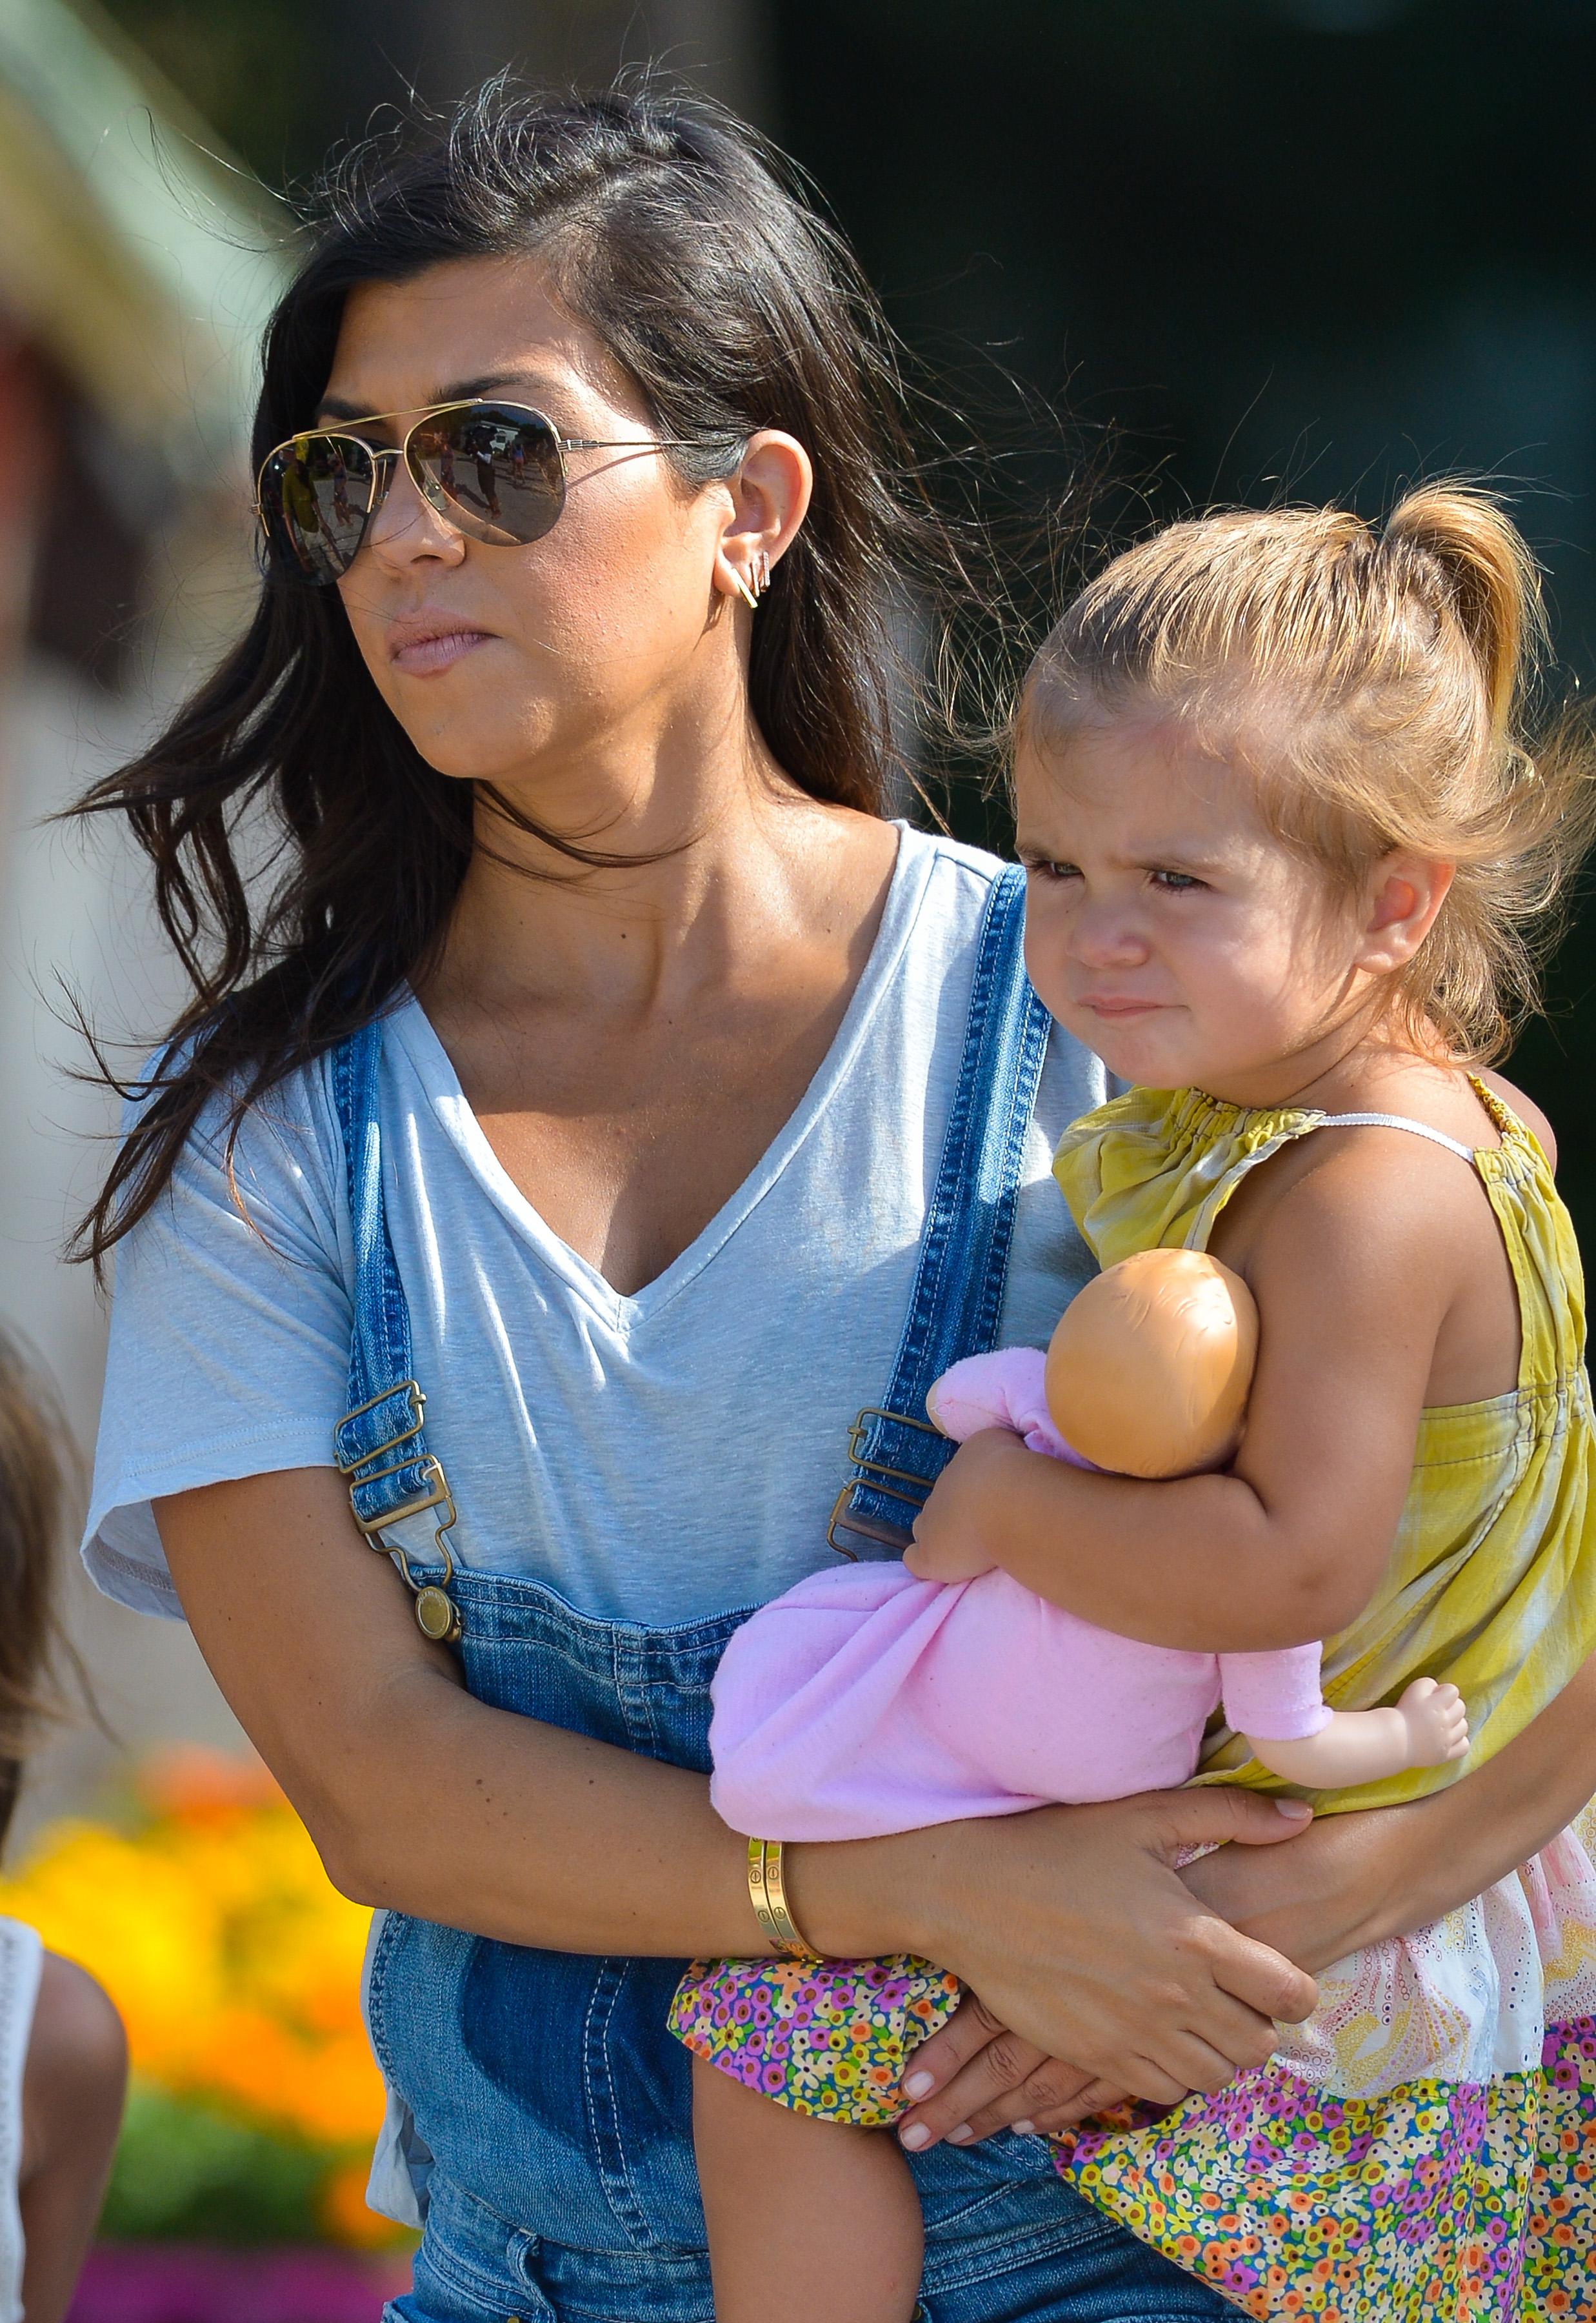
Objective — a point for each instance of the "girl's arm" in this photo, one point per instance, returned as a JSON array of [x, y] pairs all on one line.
[[1353, 1879], [1362, 1878], [1352, 1291], [420, 1797]]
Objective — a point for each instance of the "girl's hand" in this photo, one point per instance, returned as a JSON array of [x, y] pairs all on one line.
[[956, 1533], [1083, 1942]]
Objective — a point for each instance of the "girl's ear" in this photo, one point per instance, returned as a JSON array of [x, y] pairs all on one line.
[[1404, 895], [770, 490]]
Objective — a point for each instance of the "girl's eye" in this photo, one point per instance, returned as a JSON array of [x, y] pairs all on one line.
[[1043, 867], [1176, 883]]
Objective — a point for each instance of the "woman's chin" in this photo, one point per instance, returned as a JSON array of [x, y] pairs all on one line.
[[494, 760]]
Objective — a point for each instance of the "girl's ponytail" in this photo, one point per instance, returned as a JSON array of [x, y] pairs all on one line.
[[1492, 585]]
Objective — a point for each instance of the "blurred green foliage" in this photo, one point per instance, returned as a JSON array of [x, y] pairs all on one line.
[[1313, 247], [185, 2173], [254, 69]]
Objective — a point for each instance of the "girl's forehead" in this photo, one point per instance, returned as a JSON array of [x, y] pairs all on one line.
[[1137, 772]]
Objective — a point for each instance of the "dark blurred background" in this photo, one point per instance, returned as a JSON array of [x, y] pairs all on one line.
[[1317, 246]]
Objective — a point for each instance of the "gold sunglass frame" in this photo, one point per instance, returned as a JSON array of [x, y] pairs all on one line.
[[384, 457]]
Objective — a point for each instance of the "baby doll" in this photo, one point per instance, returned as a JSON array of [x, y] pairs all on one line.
[[861, 1702]]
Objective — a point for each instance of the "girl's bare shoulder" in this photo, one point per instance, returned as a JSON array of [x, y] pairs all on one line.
[[1404, 1199]]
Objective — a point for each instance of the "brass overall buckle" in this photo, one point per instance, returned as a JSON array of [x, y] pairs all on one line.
[[881, 1478], [437, 1614]]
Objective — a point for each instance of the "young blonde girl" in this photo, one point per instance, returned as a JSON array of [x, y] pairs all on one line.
[[1286, 841]]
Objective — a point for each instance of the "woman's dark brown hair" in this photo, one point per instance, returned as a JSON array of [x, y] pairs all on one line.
[[32, 1509], [673, 233]]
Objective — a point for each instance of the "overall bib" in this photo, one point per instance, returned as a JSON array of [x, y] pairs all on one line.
[[545, 2088]]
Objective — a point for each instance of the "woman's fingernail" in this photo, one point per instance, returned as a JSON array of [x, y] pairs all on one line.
[[1023, 2129], [919, 2084], [1295, 1810], [916, 2136], [961, 2136]]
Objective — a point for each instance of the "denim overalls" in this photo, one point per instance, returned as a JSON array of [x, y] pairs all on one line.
[[552, 2101]]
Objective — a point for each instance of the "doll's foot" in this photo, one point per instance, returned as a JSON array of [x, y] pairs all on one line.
[[1437, 1724]]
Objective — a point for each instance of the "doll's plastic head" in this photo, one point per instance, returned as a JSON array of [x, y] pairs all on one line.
[[1148, 1370]]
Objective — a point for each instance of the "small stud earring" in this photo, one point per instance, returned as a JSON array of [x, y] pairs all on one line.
[[761, 574]]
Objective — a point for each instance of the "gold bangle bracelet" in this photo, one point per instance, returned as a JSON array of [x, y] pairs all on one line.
[[767, 1894]]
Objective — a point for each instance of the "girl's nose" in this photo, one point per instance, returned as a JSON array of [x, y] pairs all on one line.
[[1106, 935]]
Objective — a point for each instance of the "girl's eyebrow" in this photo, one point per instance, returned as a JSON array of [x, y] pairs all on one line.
[[1178, 858], [1173, 856]]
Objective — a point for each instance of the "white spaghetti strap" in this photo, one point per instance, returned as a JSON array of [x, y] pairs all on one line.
[[1395, 1121]]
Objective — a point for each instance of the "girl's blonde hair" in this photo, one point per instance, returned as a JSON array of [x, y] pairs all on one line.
[[33, 1506], [1376, 682]]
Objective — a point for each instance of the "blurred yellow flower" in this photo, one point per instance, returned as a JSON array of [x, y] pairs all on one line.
[[235, 1962]]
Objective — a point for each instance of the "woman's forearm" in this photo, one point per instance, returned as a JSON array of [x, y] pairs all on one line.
[[1357, 1878], [538, 1836], [424, 1800], [1070, 1920]]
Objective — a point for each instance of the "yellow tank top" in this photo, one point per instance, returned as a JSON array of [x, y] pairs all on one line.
[[1491, 1580]]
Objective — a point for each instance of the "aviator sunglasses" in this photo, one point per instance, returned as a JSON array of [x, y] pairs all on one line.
[[495, 471]]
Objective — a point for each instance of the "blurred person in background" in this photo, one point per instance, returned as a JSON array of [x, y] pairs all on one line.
[[132, 272], [590, 1072], [63, 2059]]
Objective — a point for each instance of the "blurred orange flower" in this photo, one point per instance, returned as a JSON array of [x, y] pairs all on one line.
[[235, 1962]]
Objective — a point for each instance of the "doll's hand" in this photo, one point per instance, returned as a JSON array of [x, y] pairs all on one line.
[[955, 1531]]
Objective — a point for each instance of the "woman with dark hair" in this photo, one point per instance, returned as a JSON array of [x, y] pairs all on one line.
[[607, 1111]]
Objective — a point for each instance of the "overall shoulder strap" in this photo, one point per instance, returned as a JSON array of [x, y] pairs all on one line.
[[958, 1297], [380, 1442]]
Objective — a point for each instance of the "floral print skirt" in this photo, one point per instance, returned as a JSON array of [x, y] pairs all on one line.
[[1423, 2150], [828, 2037]]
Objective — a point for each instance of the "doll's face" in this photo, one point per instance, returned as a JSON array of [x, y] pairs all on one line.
[[1171, 931]]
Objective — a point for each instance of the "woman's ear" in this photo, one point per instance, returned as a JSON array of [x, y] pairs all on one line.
[[1404, 895], [770, 490]]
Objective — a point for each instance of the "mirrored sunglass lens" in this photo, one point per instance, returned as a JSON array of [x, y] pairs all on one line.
[[494, 470], [319, 488]]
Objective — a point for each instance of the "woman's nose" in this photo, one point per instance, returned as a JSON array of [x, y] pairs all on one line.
[[406, 526]]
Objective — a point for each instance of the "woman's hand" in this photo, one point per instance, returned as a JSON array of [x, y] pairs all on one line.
[[1310, 1901], [977, 2076], [1350, 1880], [1082, 1941]]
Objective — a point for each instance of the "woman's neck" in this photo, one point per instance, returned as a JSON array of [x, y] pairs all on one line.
[[718, 853]]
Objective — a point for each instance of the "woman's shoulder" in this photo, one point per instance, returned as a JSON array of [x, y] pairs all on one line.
[[290, 1133], [954, 879]]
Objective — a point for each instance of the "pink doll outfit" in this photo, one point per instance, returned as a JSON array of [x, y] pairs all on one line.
[[865, 1700]]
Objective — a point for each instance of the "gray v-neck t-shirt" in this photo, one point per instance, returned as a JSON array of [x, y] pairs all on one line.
[[656, 1458]]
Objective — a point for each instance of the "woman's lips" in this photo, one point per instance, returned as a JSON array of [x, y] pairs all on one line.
[[424, 656]]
